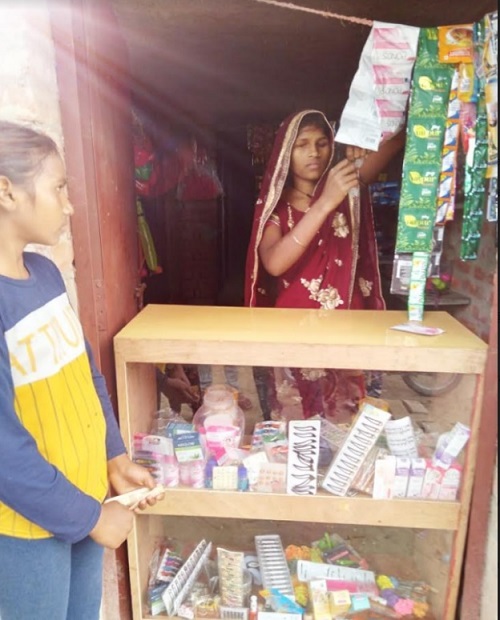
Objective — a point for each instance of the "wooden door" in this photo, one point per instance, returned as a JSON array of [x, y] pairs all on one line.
[[91, 64]]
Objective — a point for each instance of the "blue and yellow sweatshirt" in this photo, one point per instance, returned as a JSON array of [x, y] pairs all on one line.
[[57, 426]]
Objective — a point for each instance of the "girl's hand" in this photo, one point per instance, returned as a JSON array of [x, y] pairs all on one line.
[[340, 179], [113, 526], [124, 475]]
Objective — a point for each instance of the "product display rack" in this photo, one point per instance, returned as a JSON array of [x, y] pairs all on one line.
[[308, 339]]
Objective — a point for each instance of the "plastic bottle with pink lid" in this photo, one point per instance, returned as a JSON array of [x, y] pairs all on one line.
[[219, 420]]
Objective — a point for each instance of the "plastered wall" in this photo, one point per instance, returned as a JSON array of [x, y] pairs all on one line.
[[29, 95]]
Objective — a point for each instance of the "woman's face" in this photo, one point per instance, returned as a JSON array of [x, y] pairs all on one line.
[[310, 154]]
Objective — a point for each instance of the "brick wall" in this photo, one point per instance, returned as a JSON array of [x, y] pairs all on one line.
[[473, 278]]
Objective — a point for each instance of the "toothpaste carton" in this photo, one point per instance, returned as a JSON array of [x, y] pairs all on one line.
[[383, 480], [442, 483], [418, 467], [401, 477], [450, 483], [450, 445]]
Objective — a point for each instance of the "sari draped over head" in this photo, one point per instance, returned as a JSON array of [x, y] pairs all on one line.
[[339, 268]]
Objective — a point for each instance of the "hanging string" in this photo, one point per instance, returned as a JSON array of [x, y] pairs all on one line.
[[296, 7]]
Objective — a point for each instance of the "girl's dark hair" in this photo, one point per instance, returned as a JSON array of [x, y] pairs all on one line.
[[315, 120], [22, 150]]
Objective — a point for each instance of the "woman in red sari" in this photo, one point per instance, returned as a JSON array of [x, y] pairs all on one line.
[[311, 247]]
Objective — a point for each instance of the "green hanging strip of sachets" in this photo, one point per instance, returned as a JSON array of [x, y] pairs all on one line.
[[424, 142], [476, 165]]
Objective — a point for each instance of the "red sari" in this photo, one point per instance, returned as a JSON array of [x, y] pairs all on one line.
[[338, 270]]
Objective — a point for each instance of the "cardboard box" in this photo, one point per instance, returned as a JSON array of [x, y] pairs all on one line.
[[416, 480], [340, 602], [402, 475], [319, 597], [383, 480]]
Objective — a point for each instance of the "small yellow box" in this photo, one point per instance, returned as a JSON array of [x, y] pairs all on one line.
[[340, 602]]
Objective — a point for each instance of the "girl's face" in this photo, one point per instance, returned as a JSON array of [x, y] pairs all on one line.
[[310, 154], [44, 212]]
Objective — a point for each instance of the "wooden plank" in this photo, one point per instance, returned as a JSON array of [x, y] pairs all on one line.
[[320, 508], [284, 337], [141, 543], [457, 550]]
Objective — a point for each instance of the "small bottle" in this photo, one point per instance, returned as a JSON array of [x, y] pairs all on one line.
[[197, 474], [185, 474], [220, 418], [171, 472], [209, 472], [252, 614], [242, 478]]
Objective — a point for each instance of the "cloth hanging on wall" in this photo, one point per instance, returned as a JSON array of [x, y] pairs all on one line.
[[198, 180]]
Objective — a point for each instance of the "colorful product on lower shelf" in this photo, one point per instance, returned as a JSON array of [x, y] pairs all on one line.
[[187, 589]]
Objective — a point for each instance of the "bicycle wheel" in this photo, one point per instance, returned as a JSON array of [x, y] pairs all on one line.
[[431, 383]]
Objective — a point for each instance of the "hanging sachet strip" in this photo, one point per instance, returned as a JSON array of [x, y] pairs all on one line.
[[492, 201], [378, 97], [425, 136], [447, 177], [490, 70], [475, 187], [418, 279], [476, 164]]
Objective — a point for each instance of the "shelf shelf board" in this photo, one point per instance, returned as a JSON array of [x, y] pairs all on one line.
[[320, 508], [305, 338]]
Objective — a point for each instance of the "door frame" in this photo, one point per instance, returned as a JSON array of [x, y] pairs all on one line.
[[93, 179]]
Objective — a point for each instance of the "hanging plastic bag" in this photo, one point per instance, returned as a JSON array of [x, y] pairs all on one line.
[[146, 240], [146, 173], [169, 170], [199, 181]]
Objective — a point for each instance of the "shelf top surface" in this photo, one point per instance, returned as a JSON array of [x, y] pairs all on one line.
[[364, 328]]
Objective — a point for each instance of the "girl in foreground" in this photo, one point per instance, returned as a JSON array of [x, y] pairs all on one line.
[[60, 446]]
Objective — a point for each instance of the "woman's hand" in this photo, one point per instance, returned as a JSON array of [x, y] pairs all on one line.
[[339, 181]]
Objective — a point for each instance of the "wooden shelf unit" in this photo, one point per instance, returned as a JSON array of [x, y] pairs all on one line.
[[297, 338]]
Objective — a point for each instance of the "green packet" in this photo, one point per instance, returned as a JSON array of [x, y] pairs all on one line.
[[428, 49], [425, 141], [419, 186], [416, 293], [472, 225], [414, 232], [431, 92]]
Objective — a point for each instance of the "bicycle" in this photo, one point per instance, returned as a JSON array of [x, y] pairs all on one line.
[[423, 383], [431, 383]]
